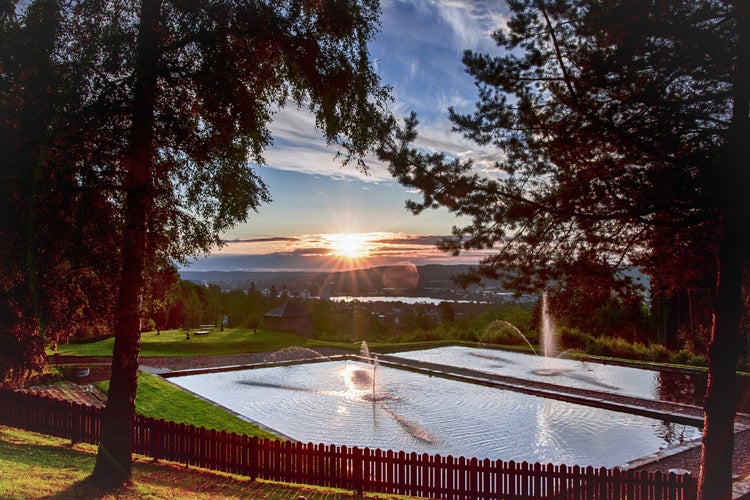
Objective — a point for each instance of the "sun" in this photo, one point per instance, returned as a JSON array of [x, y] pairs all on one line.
[[349, 245]]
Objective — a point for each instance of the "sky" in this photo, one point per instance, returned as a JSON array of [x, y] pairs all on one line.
[[327, 217]]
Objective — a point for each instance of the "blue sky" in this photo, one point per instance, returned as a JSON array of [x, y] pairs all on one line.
[[418, 53]]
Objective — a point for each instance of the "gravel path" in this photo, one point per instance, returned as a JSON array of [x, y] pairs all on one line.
[[686, 457]]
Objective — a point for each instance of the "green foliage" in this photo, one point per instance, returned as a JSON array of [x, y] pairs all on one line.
[[615, 347], [54, 282]]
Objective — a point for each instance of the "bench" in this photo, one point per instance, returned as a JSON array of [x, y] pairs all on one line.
[[201, 332]]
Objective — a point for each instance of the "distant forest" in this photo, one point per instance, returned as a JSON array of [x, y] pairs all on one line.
[[656, 327]]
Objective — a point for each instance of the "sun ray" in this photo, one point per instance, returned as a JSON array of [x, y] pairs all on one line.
[[349, 245]]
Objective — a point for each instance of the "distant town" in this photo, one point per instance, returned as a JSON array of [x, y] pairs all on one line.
[[429, 281]]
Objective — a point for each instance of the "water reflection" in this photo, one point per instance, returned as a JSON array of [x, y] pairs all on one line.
[[681, 388]]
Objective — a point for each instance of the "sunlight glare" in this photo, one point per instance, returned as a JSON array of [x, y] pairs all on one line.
[[349, 245]]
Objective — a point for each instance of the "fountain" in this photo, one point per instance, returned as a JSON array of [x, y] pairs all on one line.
[[374, 378], [293, 353], [380, 398], [549, 340], [361, 385], [507, 324]]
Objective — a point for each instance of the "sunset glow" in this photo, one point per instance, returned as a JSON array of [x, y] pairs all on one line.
[[349, 245], [329, 252]]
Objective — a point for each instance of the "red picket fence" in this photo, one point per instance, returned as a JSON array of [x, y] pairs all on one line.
[[359, 469]]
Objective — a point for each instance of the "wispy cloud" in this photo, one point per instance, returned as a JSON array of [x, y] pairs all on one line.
[[261, 240], [418, 53], [471, 23]]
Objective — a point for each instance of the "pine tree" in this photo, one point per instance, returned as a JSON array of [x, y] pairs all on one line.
[[618, 121]]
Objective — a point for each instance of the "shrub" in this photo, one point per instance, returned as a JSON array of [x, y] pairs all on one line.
[[697, 360], [573, 338], [685, 357], [660, 353]]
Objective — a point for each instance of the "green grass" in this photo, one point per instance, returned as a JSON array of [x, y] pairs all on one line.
[[172, 343], [157, 398], [33, 466]]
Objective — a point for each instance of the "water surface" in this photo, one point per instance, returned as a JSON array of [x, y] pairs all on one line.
[[332, 402]]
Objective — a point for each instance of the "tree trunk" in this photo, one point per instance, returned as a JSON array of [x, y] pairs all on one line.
[[114, 461], [715, 481]]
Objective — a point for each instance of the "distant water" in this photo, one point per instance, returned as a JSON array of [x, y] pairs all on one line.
[[405, 300]]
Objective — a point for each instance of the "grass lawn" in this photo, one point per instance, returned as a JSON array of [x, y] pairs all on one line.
[[172, 343], [34, 466], [158, 398]]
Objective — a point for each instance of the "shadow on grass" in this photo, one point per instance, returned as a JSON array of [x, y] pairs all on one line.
[[151, 481], [50, 468]]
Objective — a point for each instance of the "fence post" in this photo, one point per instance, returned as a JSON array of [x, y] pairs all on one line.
[[252, 449], [357, 470], [75, 423], [690, 487], [156, 438]]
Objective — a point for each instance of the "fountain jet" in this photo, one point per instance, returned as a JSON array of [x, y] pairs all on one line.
[[549, 340]]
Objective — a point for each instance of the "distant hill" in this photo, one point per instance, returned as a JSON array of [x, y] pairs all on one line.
[[357, 282], [219, 277]]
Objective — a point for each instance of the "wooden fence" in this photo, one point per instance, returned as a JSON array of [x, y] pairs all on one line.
[[358, 469]]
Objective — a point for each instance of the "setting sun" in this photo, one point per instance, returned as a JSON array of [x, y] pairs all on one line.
[[349, 245]]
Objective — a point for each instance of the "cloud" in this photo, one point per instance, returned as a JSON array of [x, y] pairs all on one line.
[[471, 23], [410, 239], [418, 53], [299, 147], [261, 240]]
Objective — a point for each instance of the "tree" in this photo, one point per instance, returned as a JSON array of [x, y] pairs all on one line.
[[204, 79], [51, 281], [446, 312], [158, 292], [618, 121], [161, 104]]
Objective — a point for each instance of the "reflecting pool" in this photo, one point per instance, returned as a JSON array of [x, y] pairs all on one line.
[[358, 404], [559, 371]]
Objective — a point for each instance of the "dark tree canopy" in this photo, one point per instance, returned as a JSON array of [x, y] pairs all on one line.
[[51, 281], [130, 128], [613, 119], [624, 133]]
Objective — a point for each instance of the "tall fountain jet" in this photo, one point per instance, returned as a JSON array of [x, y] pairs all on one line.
[[549, 339]]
